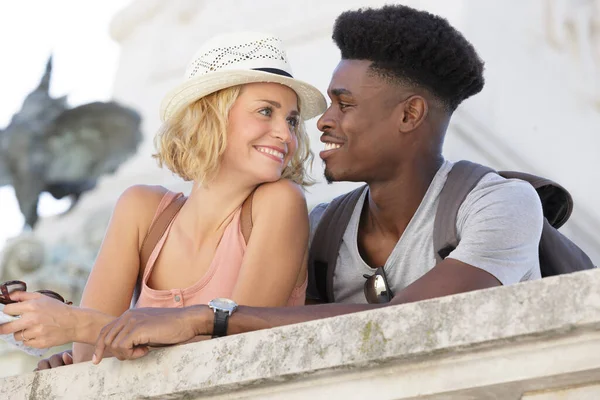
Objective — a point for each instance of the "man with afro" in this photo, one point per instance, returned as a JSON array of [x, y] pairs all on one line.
[[402, 74]]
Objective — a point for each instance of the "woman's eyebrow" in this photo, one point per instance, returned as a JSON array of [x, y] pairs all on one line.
[[278, 105], [271, 102]]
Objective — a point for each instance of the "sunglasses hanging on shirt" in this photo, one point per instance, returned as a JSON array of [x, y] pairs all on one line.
[[377, 290]]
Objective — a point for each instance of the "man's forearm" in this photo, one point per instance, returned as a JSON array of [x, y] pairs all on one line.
[[248, 319], [447, 278]]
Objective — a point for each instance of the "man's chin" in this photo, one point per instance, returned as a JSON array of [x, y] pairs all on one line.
[[341, 176], [330, 176]]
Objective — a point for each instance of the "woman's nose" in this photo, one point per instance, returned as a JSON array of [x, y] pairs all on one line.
[[283, 132]]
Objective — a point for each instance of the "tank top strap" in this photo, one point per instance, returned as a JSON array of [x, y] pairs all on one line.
[[167, 199]]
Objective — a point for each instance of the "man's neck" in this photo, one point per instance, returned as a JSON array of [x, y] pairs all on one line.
[[391, 204]]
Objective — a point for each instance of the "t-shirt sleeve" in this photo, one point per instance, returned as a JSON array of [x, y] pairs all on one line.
[[499, 227], [314, 217]]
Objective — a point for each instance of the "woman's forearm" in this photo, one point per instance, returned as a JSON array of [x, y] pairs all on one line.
[[82, 352], [89, 322]]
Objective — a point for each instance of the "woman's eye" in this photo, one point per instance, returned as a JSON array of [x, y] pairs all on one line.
[[267, 112], [293, 122]]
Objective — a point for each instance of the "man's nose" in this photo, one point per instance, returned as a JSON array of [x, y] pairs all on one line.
[[325, 122]]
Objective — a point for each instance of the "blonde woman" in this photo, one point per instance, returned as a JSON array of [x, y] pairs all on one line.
[[234, 128]]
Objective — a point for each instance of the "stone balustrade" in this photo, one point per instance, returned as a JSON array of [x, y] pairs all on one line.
[[536, 341]]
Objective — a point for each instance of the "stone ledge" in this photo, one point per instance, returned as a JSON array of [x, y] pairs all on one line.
[[505, 341]]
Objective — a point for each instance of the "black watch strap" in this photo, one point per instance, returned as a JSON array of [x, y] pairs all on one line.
[[220, 326]]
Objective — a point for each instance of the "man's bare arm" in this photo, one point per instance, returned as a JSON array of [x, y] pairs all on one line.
[[131, 335], [447, 278]]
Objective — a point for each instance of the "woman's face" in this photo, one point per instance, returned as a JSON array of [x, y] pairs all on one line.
[[261, 136]]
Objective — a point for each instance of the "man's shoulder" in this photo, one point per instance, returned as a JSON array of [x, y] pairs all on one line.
[[317, 211], [493, 188], [508, 204]]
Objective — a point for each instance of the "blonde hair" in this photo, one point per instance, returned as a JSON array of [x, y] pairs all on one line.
[[192, 142]]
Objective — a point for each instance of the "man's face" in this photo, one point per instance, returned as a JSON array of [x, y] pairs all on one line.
[[359, 127]]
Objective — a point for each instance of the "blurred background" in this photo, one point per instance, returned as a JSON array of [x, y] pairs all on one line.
[[539, 111]]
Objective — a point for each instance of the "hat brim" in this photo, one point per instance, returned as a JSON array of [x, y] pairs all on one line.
[[312, 102]]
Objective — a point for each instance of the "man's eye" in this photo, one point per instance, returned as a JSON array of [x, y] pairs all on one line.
[[343, 105], [267, 111]]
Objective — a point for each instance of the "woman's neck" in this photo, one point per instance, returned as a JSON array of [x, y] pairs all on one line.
[[211, 206]]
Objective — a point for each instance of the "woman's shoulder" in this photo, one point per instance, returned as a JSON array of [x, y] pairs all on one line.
[[282, 195], [140, 203], [279, 190], [144, 196]]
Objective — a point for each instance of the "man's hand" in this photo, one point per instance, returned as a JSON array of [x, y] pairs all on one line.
[[130, 336], [57, 360]]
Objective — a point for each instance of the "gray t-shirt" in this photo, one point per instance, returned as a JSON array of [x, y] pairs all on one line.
[[499, 226]]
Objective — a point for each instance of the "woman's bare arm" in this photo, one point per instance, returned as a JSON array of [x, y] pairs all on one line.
[[111, 283], [275, 258]]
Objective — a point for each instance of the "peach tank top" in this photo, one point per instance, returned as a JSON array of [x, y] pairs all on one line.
[[219, 280]]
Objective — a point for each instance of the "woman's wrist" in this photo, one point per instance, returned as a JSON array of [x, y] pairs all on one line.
[[88, 323]]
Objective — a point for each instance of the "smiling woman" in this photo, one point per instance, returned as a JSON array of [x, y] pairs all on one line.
[[234, 127], [203, 130]]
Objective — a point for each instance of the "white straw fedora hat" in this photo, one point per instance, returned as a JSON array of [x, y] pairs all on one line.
[[235, 59]]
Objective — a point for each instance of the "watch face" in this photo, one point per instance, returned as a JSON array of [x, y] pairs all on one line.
[[223, 304]]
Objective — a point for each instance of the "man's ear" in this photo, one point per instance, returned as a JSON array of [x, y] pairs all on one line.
[[412, 113]]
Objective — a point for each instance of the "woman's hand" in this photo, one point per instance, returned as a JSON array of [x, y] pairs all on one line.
[[45, 322]]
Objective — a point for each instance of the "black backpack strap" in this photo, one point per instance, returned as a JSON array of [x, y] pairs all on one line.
[[325, 245], [462, 178]]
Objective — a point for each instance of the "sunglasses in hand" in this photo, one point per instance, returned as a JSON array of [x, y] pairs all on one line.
[[19, 286]]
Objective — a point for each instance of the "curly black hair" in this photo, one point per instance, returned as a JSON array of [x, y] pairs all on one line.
[[412, 47]]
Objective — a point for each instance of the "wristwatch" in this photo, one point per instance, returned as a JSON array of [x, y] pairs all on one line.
[[223, 309]]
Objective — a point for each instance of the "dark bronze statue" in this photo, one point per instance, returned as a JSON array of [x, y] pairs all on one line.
[[49, 147]]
